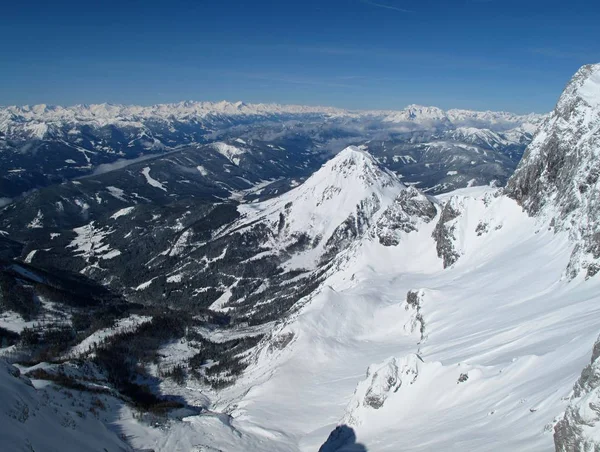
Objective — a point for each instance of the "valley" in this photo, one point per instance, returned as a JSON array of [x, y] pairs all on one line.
[[300, 279]]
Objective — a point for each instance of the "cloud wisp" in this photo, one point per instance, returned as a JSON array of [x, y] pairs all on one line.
[[386, 6]]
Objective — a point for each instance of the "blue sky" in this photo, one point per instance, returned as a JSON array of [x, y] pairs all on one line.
[[498, 55]]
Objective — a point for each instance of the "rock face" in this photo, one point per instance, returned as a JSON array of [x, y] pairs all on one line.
[[579, 429], [414, 302], [409, 208], [559, 174], [443, 233], [382, 380]]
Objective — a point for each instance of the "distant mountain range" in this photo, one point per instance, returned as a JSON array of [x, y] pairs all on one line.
[[44, 145]]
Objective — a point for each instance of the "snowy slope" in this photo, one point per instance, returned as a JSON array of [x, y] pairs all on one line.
[[502, 315], [464, 333], [434, 324], [53, 419], [559, 176], [334, 206], [482, 358]]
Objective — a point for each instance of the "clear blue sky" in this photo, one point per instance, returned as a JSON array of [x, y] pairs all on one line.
[[494, 54]]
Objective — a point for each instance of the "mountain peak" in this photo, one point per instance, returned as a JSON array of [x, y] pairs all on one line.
[[334, 206], [353, 165], [354, 155], [559, 175], [583, 87]]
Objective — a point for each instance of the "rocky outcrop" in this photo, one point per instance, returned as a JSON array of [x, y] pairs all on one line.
[[579, 429], [559, 175], [443, 234], [409, 208], [414, 301], [381, 382]]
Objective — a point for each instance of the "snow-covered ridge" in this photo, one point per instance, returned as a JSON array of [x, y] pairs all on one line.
[[335, 205], [559, 175], [35, 119]]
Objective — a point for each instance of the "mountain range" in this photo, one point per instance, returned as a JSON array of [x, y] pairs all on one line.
[[438, 150], [263, 290]]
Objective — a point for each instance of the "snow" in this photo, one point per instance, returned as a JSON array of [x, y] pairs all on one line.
[[175, 278], [30, 256], [36, 223], [13, 321], [144, 285], [346, 187], [590, 89], [111, 254], [116, 192], [230, 152], [89, 243], [122, 325], [152, 181], [54, 419], [502, 315], [122, 212], [34, 118]]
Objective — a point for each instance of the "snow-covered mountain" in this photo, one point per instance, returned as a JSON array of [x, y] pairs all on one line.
[[334, 207], [559, 176], [347, 310], [44, 145], [41, 120], [558, 180]]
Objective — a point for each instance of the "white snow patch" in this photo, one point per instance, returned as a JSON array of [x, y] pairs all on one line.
[[152, 181], [202, 170], [30, 256], [230, 152], [36, 223], [122, 212]]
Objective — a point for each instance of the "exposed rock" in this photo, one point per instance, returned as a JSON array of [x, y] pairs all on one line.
[[414, 301], [281, 341], [443, 233], [409, 208], [482, 228], [382, 380], [558, 177], [578, 430]]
